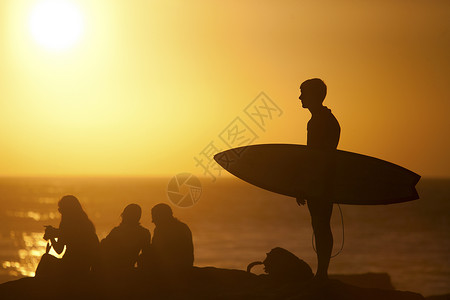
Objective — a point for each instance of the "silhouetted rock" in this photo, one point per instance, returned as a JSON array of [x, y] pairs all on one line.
[[337, 290], [206, 283], [367, 280], [439, 297]]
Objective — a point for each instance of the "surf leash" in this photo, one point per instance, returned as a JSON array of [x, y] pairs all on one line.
[[343, 236], [251, 265]]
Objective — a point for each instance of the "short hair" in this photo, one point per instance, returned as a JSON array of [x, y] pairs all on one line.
[[317, 86], [131, 214], [162, 210]]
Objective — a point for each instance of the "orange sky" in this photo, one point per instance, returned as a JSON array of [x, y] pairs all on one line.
[[151, 83]]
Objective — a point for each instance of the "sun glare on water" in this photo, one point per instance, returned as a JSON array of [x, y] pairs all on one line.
[[56, 24]]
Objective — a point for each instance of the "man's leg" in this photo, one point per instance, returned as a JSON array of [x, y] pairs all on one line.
[[320, 211]]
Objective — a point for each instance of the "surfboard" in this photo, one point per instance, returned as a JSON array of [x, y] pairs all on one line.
[[341, 176]]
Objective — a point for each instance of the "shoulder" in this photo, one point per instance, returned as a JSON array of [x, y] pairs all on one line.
[[116, 230], [144, 234], [330, 114], [113, 232], [184, 227], [327, 116], [143, 230]]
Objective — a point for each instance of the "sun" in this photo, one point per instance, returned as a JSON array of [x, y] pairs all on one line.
[[56, 24]]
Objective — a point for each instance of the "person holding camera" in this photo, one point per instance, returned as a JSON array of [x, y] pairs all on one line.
[[76, 234]]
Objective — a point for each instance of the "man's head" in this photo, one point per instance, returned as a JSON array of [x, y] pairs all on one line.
[[131, 214], [161, 213], [313, 92]]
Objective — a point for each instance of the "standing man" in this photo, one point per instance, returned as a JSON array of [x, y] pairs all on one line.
[[323, 134]]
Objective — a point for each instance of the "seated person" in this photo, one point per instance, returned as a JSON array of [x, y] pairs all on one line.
[[76, 234], [121, 248], [172, 247]]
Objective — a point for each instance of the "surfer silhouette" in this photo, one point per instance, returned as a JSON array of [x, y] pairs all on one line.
[[323, 134]]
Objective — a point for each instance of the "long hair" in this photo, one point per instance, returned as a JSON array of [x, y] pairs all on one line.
[[73, 217]]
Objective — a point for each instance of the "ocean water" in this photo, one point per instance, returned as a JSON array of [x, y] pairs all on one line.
[[235, 223]]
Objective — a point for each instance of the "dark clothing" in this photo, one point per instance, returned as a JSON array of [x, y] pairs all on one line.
[[323, 134], [323, 130], [120, 249], [172, 246], [81, 250]]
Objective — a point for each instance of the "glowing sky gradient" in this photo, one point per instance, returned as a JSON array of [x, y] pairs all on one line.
[[153, 82]]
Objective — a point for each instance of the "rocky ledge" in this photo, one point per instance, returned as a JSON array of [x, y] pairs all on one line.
[[208, 283]]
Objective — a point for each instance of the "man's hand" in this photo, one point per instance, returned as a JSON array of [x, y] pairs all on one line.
[[49, 246], [301, 200], [50, 232]]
